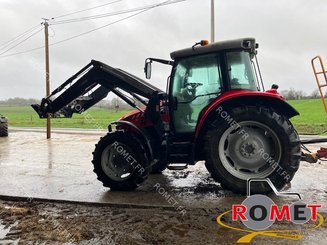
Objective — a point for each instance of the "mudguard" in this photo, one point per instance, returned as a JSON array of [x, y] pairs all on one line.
[[141, 132], [231, 99]]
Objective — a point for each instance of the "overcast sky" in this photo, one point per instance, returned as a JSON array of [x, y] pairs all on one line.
[[289, 32]]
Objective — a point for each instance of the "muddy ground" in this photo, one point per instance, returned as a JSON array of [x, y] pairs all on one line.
[[49, 194], [63, 223], [60, 169]]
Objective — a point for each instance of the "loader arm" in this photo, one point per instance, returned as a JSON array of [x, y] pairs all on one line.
[[90, 85]]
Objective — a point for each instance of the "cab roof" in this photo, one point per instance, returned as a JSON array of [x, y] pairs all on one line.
[[242, 43]]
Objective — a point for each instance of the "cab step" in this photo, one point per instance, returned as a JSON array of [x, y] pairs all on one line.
[[177, 166]]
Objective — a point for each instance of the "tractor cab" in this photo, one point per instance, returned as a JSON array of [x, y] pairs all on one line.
[[204, 72]]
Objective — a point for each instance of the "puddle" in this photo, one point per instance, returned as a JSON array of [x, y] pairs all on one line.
[[3, 231]]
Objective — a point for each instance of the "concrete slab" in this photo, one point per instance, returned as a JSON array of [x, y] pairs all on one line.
[[32, 166]]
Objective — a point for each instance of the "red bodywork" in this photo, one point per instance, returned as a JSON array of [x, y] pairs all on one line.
[[230, 95], [322, 153], [137, 117]]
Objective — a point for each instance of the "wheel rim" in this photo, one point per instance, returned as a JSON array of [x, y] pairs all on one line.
[[253, 156], [115, 164]]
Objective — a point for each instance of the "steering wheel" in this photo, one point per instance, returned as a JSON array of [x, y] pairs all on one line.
[[191, 88], [194, 85]]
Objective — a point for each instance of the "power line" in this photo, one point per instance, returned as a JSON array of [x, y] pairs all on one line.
[[9, 42], [95, 29], [22, 52], [33, 34], [117, 21], [120, 12], [101, 27], [80, 11]]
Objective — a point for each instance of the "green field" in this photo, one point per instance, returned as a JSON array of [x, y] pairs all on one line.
[[312, 119], [96, 118]]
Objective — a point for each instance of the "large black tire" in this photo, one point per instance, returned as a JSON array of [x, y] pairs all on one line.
[[272, 149], [120, 161], [4, 129]]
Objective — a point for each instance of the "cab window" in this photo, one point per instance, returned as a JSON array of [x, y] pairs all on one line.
[[240, 71], [196, 82]]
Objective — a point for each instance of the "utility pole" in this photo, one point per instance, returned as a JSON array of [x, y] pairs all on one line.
[[47, 72], [212, 21]]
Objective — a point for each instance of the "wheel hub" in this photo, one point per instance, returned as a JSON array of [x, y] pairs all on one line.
[[242, 156], [248, 149], [114, 164]]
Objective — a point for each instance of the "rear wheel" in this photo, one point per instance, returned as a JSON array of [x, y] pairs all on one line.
[[3, 129], [263, 144], [120, 161]]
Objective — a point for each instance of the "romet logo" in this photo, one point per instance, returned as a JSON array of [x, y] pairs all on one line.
[[259, 212]]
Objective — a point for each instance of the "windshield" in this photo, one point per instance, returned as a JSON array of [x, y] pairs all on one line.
[[240, 71]]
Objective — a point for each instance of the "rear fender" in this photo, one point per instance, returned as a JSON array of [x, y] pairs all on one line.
[[209, 114]]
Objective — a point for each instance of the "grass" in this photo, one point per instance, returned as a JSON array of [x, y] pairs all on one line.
[[312, 119], [25, 116]]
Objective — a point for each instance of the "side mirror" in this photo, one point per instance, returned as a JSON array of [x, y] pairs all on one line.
[[147, 68]]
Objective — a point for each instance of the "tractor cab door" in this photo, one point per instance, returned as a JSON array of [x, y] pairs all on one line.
[[195, 82]]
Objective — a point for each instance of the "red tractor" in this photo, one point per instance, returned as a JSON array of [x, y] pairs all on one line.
[[215, 110]]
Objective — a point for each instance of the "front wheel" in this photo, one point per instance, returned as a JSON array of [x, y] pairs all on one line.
[[120, 161], [254, 142]]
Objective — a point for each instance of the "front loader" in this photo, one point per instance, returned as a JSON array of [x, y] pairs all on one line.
[[215, 109]]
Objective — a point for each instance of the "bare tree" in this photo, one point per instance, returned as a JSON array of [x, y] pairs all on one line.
[[315, 94], [293, 94], [284, 93], [299, 94]]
